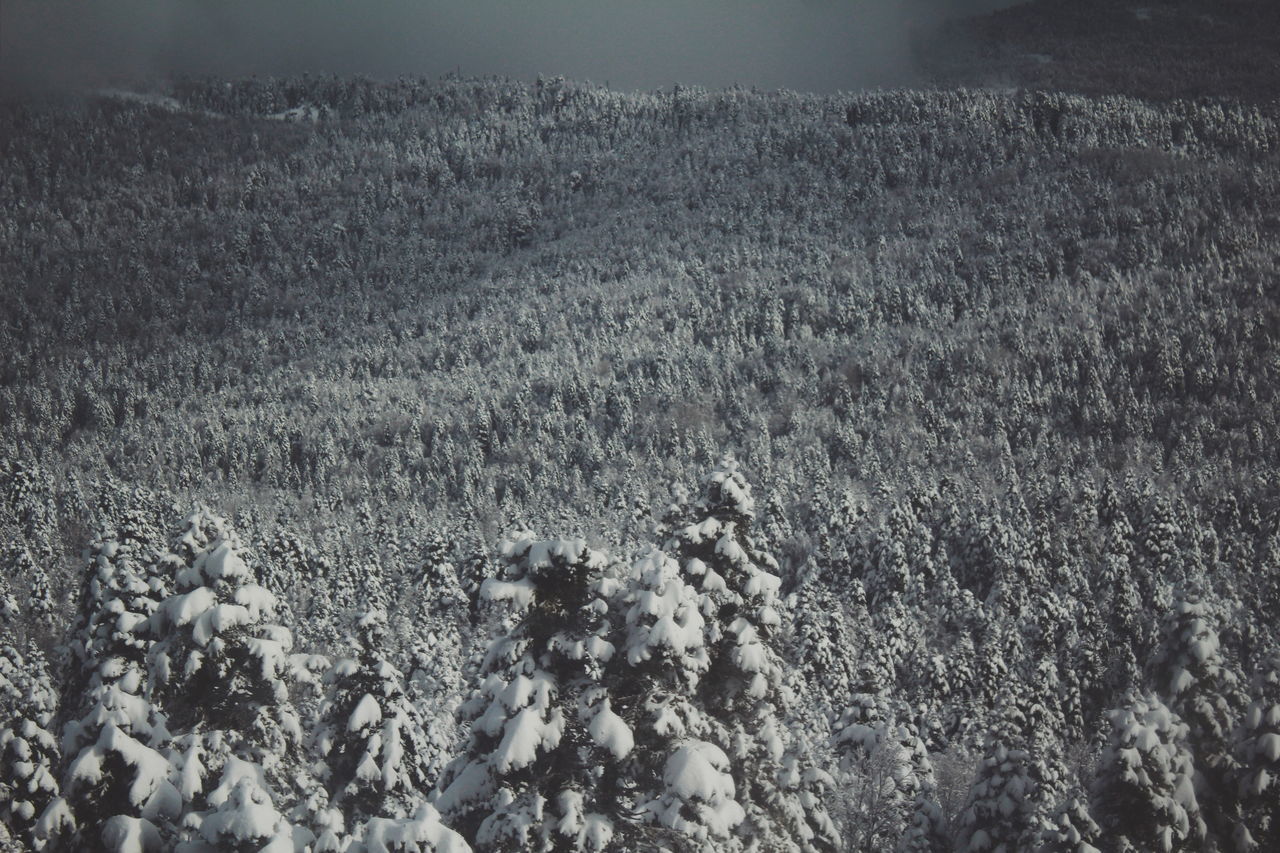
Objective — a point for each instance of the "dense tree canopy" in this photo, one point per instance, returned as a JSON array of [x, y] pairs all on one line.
[[997, 563]]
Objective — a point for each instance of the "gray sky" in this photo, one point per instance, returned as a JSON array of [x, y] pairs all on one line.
[[814, 45]]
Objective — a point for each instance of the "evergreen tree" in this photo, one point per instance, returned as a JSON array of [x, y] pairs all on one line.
[[423, 832], [1014, 788], [742, 688], [679, 782], [9, 610], [40, 604], [1070, 829], [1258, 754], [370, 736], [820, 640], [222, 668], [543, 735], [1143, 794], [115, 736], [29, 755], [1191, 672]]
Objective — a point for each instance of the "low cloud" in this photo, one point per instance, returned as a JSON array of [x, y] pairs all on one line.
[[814, 45]]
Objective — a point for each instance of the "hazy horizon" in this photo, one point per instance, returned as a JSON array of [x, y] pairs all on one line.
[[805, 45]]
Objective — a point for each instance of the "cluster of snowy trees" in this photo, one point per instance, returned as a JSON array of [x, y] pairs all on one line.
[[186, 719], [618, 708], [681, 700], [1003, 367]]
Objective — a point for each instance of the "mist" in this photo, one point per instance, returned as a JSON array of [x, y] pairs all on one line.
[[805, 45]]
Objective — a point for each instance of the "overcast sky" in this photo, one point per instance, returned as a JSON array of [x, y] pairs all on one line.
[[815, 45]]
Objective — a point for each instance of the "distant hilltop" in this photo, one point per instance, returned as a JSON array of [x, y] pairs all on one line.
[[1154, 50]]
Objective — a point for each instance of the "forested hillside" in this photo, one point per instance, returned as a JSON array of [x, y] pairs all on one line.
[[532, 466]]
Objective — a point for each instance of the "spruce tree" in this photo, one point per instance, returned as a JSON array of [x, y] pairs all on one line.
[[370, 737], [39, 604], [9, 610], [1143, 794], [29, 754], [665, 659], [1201, 687], [781, 793], [221, 666], [1070, 829], [1257, 749], [1014, 789], [115, 736], [543, 735], [422, 832]]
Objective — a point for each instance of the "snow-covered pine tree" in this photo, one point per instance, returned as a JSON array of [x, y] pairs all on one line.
[[441, 649], [115, 735], [437, 686], [423, 832], [1143, 794], [12, 678], [221, 667], [436, 575], [40, 606], [135, 525], [29, 755], [9, 610], [1070, 829], [370, 737], [926, 830], [1257, 747], [742, 690], [682, 794], [1192, 675], [1014, 789], [536, 771], [288, 574], [820, 639]]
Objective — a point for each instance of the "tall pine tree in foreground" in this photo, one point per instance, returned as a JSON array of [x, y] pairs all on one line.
[[1144, 795], [116, 782], [1258, 753], [683, 793], [1014, 790], [742, 691], [370, 737], [535, 774], [1190, 671], [220, 665], [29, 755]]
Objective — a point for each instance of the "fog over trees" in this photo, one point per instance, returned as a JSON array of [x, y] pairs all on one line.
[[809, 45], [528, 465]]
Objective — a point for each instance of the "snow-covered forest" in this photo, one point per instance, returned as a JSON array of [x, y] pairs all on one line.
[[472, 464]]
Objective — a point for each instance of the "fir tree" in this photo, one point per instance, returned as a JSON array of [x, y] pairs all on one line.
[[9, 610], [665, 659], [115, 737], [1143, 794], [1013, 790], [534, 775], [371, 738], [222, 668], [40, 605], [1190, 670], [1257, 748], [1070, 829], [742, 688], [29, 755]]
